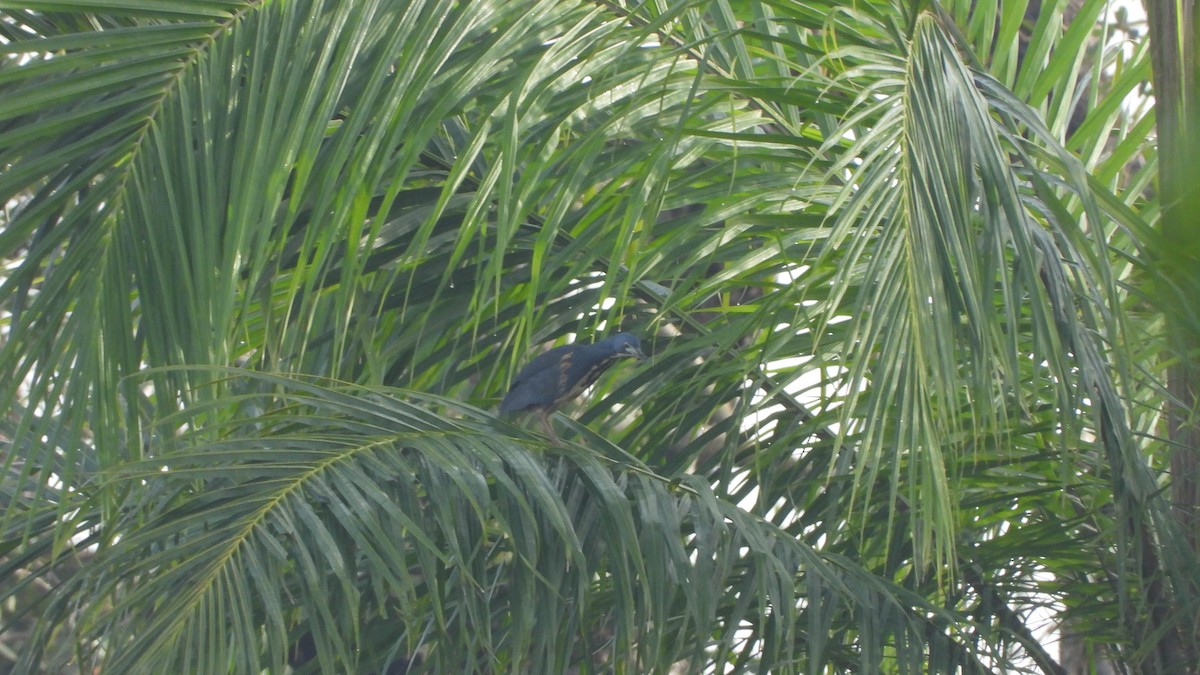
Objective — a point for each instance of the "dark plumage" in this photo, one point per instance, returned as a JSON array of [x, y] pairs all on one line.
[[563, 373]]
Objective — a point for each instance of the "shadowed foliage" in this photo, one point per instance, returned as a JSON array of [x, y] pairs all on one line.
[[898, 268]]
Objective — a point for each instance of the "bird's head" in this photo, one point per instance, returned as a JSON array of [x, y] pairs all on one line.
[[626, 344]]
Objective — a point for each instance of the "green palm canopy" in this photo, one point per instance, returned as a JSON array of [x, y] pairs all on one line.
[[270, 266]]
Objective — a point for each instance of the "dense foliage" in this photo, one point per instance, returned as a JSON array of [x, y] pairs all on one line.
[[269, 266]]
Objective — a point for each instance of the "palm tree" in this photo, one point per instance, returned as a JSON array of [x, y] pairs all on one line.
[[270, 266]]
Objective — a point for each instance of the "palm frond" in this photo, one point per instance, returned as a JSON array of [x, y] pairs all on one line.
[[891, 263]]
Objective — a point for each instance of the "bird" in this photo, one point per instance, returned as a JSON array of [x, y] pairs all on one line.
[[559, 375]]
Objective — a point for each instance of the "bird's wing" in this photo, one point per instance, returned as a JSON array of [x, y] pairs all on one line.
[[541, 362]]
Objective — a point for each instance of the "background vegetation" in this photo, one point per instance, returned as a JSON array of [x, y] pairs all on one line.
[[918, 284]]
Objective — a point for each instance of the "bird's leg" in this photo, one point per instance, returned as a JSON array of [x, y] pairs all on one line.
[[544, 417]]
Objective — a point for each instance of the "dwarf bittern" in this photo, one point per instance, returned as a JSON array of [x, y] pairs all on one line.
[[562, 373]]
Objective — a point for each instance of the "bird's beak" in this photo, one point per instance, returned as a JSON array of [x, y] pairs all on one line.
[[630, 350]]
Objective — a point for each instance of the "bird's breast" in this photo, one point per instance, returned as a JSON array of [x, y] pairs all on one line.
[[577, 377]]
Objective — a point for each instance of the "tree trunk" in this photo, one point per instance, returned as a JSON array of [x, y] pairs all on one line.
[[1172, 35]]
